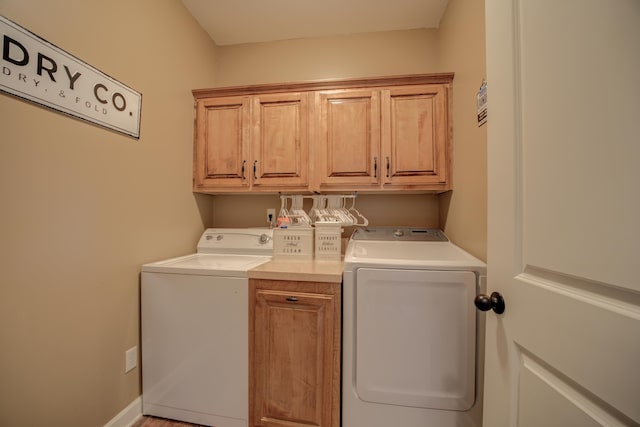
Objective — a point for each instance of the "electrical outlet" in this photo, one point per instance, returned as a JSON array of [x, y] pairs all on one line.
[[271, 216], [131, 359]]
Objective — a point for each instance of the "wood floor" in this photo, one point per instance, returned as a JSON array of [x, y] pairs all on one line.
[[161, 422]]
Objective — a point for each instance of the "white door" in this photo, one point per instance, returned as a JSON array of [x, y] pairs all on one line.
[[564, 213]]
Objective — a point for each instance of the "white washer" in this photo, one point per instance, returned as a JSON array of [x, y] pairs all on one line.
[[194, 321], [409, 330]]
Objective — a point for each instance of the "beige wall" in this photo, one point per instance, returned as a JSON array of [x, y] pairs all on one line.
[[401, 209], [83, 207], [358, 55], [463, 211]]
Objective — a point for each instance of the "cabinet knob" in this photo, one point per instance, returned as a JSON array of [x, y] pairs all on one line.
[[255, 163], [292, 299], [388, 168], [375, 167], [244, 162]]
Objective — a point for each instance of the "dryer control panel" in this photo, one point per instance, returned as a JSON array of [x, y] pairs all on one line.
[[399, 234]]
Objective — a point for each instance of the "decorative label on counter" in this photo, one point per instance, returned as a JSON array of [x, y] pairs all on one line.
[[40, 72], [294, 241]]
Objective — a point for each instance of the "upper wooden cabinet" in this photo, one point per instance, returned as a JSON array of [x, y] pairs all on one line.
[[415, 131], [252, 143], [378, 134], [280, 141], [347, 138], [222, 143]]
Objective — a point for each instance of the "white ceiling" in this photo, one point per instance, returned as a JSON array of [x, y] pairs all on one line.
[[248, 21]]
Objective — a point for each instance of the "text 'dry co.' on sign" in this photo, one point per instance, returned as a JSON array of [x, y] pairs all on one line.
[[35, 70]]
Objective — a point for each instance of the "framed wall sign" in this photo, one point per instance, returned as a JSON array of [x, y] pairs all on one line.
[[31, 68]]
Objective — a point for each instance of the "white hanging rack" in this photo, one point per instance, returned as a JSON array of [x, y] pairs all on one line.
[[326, 208]]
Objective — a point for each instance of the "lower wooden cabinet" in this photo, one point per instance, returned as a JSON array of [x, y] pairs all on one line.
[[294, 353]]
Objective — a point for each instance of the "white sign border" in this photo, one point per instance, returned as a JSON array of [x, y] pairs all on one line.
[[134, 132]]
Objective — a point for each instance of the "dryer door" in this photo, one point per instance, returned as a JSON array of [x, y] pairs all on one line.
[[416, 338]]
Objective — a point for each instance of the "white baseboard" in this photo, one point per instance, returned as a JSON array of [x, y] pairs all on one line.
[[128, 416]]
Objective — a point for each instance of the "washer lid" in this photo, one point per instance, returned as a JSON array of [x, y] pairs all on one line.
[[234, 265]]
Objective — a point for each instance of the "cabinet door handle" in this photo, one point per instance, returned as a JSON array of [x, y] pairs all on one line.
[[388, 167], [292, 299], [375, 167], [243, 163], [255, 163]]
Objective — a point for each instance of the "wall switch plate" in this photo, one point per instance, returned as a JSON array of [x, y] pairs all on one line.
[[131, 359]]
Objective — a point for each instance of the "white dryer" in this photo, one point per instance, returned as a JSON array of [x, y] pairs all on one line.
[[195, 332], [409, 330]]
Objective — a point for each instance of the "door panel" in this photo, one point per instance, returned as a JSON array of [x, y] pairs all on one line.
[[348, 136], [293, 345], [579, 336], [412, 123], [547, 398], [415, 134], [563, 209], [280, 139], [581, 156], [222, 164]]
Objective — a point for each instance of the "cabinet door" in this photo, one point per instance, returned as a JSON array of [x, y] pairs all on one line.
[[348, 137], [295, 352], [222, 143], [415, 136], [280, 140]]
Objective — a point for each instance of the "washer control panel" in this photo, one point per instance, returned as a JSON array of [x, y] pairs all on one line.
[[247, 241]]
